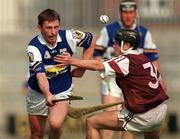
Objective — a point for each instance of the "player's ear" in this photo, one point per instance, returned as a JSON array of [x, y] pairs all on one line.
[[137, 14], [39, 27]]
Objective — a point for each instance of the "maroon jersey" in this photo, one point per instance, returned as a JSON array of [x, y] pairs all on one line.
[[138, 79]]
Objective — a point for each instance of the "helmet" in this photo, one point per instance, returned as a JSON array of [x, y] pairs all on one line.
[[127, 5], [128, 35]]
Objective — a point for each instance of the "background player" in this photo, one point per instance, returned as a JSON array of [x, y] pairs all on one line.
[[110, 92], [48, 82], [145, 106]]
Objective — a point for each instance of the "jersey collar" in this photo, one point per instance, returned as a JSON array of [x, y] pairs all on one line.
[[42, 41]]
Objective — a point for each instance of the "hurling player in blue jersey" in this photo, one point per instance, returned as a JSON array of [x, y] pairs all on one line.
[[103, 49], [48, 82]]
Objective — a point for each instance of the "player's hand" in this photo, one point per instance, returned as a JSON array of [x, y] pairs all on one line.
[[63, 60], [50, 100]]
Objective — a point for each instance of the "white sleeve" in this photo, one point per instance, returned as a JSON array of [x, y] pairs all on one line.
[[118, 66], [34, 54], [103, 38], [74, 37], [149, 44]]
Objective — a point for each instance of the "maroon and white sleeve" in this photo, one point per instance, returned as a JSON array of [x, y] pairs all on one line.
[[118, 66]]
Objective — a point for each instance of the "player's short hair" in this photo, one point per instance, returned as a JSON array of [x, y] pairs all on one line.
[[127, 5], [129, 36], [48, 15]]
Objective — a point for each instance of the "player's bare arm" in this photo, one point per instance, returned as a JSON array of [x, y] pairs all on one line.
[[87, 54], [66, 59], [77, 72], [44, 86]]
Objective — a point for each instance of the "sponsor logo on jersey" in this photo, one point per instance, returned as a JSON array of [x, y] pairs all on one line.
[[53, 71], [31, 57], [62, 51], [77, 34]]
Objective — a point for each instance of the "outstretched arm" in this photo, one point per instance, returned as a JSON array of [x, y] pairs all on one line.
[[66, 59]]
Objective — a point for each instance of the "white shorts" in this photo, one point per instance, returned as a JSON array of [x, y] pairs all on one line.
[[36, 104], [109, 87], [143, 122]]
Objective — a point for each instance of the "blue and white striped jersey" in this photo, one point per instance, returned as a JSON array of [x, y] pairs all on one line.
[[41, 59]]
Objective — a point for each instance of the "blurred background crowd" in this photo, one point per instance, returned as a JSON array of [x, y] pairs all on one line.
[[18, 21]]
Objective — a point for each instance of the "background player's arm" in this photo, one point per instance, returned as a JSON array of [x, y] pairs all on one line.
[[149, 44], [162, 82]]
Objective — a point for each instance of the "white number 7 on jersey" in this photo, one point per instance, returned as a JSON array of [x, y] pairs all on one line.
[[153, 73]]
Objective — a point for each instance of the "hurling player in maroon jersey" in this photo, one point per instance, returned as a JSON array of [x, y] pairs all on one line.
[[145, 106]]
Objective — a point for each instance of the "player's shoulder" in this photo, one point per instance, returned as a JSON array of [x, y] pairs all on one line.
[[38, 42], [142, 27], [34, 40], [72, 34], [137, 58]]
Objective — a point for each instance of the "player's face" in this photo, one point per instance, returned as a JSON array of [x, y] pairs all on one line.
[[49, 30], [128, 18], [117, 49]]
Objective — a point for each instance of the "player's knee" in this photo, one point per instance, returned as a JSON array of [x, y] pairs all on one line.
[[91, 122], [55, 126]]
